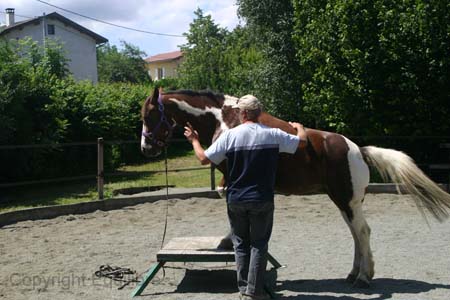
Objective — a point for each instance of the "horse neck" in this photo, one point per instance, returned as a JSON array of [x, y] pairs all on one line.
[[204, 119]]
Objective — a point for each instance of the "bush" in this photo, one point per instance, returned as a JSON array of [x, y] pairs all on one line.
[[41, 104], [375, 67]]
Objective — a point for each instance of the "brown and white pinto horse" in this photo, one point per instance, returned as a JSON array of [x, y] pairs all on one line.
[[330, 164]]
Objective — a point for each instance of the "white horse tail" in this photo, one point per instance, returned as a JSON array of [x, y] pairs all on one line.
[[402, 170]]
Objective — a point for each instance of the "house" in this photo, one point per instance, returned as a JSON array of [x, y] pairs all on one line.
[[164, 65], [79, 42]]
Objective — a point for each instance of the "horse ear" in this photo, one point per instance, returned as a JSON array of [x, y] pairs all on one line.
[[155, 96], [152, 99]]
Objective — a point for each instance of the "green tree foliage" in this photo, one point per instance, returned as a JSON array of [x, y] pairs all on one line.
[[39, 104], [217, 59], [125, 65], [276, 80], [27, 74], [375, 67], [241, 60], [202, 53]]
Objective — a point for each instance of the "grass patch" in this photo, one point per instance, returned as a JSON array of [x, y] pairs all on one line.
[[75, 192]]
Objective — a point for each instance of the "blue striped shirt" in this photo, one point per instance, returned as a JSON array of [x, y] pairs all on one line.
[[251, 151]]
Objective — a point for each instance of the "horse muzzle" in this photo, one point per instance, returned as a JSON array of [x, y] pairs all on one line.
[[149, 151]]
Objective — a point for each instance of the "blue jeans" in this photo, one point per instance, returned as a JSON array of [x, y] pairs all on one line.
[[251, 227]]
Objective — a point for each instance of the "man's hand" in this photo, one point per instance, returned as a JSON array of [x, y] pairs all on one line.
[[192, 136], [190, 133], [297, 126], [301, 133]]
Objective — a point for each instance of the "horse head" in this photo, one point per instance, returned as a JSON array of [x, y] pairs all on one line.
[[157, 127]]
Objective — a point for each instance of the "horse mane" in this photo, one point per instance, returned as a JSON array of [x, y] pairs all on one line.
[[216, 97]]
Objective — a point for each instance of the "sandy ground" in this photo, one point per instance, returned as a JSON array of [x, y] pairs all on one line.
[[56, 259]]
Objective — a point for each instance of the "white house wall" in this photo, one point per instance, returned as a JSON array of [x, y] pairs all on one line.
[[33, 30], [80, 48]]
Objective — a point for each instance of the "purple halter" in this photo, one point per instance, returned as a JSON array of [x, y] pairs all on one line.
[[163, 120]]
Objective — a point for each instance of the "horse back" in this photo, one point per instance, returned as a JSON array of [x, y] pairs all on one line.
[[303, 172]]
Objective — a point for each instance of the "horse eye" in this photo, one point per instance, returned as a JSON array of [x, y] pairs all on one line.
[[160, 144]]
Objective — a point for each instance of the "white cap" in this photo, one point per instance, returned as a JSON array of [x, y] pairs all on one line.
[[248, 102]]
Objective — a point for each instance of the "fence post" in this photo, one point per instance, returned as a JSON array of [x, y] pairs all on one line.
[[213, 178], [100, 170]]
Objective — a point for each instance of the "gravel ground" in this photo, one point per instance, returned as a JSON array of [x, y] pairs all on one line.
[[56, 259]]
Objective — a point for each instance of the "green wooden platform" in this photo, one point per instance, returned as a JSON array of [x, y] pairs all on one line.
[[191, 249]]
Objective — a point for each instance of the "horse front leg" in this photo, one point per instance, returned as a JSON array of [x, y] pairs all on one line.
[[221, 187], [226, 243]]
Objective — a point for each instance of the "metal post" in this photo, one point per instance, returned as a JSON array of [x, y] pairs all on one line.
[[100, 170], [213, 178]]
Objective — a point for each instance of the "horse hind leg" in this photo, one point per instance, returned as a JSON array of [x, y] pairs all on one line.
[[347, 179], [351, 278], [363, 264], [359, 176]]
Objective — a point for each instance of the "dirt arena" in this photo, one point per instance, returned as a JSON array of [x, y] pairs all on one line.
[[57, 258]]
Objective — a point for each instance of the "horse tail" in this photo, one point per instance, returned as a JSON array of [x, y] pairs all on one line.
[[402, 170]]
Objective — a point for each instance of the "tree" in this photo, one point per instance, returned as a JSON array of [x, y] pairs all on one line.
[[241, 60], [276, 81], [38, 105], [375, 67], [217, 59], [28, 72], [125, 65], [202, 68]]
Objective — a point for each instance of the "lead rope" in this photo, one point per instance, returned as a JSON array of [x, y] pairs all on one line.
[[167, 197], [167, 206], [127, 282]]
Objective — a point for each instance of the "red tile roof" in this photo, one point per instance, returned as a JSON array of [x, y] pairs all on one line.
[[165, 56]]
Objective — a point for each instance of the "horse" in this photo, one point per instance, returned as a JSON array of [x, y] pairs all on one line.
[[331, 163]]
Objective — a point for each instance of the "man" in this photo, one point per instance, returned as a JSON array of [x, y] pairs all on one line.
[[251, 150]]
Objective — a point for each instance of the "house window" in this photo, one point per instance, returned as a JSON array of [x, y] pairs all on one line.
[[160, 73], [50, 29]]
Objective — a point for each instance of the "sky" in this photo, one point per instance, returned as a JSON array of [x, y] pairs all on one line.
[[163, 16]]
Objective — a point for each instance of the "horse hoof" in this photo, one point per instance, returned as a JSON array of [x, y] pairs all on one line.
[[351, 278], [361, 284], [225, 244], [221, 191]]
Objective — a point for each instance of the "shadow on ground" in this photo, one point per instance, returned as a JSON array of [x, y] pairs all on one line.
[[208, 281], [205, 281], [384, 288], [224, 282]]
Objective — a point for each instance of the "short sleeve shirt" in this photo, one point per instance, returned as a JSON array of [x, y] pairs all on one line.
[[251, 151]]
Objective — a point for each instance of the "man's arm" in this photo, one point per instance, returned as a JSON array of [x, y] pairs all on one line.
[[192, 137], [301, 133]]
